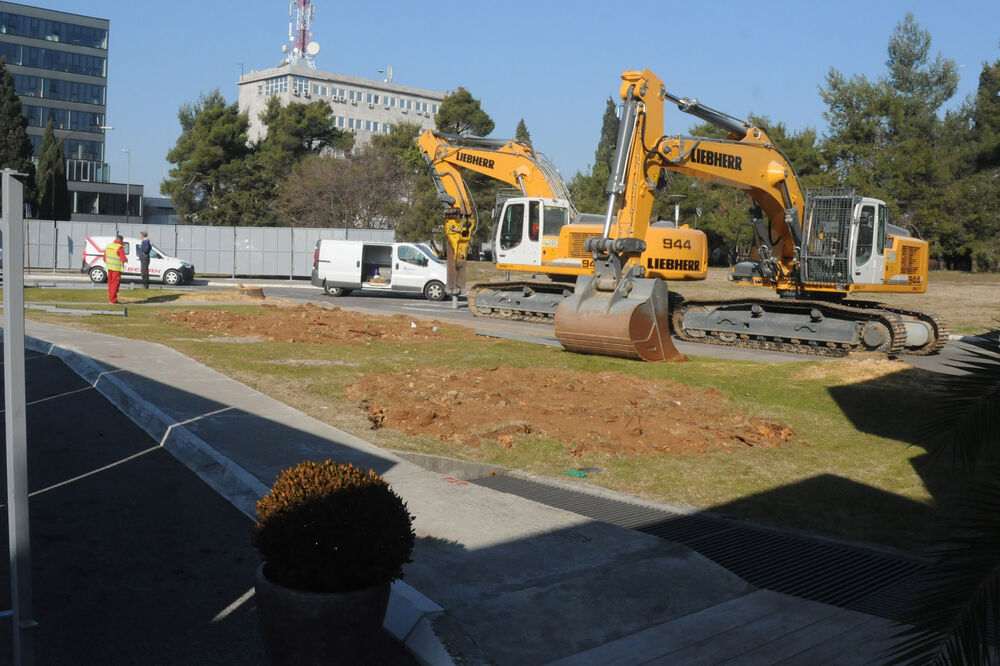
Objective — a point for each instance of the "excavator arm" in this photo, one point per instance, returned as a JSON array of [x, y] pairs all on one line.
[[752, 164]]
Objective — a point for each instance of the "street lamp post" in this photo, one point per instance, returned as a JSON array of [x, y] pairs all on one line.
[[128, 181]]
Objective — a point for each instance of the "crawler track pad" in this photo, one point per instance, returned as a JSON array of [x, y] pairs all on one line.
[[631, 322]]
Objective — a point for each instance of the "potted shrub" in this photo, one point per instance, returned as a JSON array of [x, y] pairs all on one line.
[[333, 538]]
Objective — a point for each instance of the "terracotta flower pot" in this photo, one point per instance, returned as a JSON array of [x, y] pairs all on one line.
[[304, 628]]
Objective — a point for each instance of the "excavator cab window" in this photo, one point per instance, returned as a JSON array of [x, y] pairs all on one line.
[[555, 218], [883, 219], [866, 236], [512, 226], [533, 221]]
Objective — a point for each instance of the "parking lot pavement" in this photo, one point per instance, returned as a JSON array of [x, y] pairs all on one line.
[[134, 559]]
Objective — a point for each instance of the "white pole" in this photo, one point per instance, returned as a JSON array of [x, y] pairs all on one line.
[[18, 536]]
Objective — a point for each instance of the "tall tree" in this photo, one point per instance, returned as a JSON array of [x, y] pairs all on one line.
[[15, 146], [461, 113], [365, 189], [885, 135], [521, 132], [296, 130], [986, 116], [587, 189], [213, 135], [609, 135], [53, 191]]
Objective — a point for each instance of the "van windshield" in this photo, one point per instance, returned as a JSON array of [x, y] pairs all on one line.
[[426, 250]]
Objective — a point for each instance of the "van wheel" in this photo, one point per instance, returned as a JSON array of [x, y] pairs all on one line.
[[434, 291], [98, 275], [172, 277], [336, 291]]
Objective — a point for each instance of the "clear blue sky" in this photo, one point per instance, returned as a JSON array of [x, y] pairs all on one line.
[[552, 63]]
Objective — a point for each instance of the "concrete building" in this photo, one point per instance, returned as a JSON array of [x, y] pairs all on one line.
[[363, 107], [59, 62]]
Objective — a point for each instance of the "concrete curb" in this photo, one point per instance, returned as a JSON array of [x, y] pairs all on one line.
[[408, 617]]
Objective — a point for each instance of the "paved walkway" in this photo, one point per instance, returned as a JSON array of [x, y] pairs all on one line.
[[495, 578]]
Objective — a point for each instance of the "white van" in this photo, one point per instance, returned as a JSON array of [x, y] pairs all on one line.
[[168, 270], [341, 266]]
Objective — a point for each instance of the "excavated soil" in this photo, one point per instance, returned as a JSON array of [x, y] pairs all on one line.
[[313, 324], [588, 411], [607, 411]]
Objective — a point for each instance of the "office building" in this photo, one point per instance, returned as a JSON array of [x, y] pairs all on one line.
[[59, 62], [363, 107]]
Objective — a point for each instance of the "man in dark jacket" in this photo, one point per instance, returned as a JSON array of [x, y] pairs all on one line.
[[145, 248]]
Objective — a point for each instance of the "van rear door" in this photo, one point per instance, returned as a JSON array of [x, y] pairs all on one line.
[[339, 263]]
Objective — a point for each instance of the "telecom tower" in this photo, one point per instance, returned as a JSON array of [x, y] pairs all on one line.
[[300, 15]]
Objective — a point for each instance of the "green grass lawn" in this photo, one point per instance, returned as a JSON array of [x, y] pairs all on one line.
[[852, 469]]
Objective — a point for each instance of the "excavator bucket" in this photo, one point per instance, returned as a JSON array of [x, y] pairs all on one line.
[[630, 322]]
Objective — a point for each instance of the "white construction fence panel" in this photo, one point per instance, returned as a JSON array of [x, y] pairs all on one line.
[[233, 251]]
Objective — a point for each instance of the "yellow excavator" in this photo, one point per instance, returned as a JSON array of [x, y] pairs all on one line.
[[541, 232], [813, 249]]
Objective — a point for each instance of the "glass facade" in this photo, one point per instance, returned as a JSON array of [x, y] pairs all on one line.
[[83, 121], [67, 91], [53, 31], [54, 60], [60, 69]]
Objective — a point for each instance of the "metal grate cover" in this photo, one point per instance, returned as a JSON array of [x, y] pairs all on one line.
[[829, 212], [837, 574]]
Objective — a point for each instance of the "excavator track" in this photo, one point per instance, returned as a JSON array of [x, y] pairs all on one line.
[[520, 300], [818, 328], [937, 324]]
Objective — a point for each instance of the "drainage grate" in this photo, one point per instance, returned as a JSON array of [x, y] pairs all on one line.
[[840, 575]]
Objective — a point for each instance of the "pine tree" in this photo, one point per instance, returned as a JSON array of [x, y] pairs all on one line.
[[53, 192], [609, 136], [521, 134], [15, 146]]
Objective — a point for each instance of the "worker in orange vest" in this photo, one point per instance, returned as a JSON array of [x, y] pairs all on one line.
[[114, 262]]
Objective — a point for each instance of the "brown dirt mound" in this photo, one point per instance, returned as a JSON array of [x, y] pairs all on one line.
[[311, 323], [606, 411]]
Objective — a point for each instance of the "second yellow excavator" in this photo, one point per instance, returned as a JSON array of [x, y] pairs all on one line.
[[541, 232]]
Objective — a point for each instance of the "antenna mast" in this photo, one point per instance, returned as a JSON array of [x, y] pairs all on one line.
[[300, 15]]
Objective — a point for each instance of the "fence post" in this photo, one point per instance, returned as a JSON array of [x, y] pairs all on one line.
[[19, 537]]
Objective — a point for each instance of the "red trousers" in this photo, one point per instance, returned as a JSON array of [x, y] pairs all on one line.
[[114, 281]]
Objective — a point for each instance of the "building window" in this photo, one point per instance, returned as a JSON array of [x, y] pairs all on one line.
[[278, 84], [53, 31], [300, 84]]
